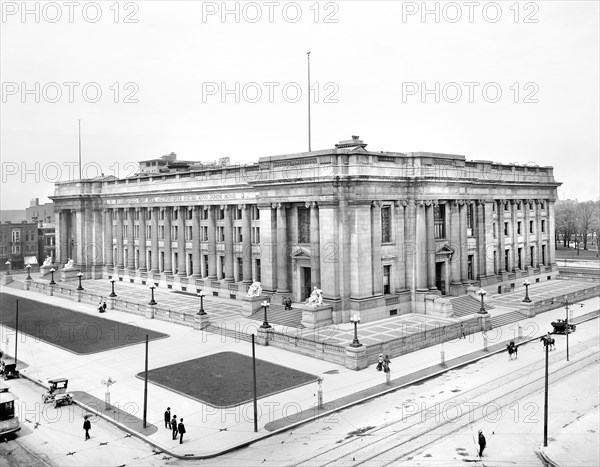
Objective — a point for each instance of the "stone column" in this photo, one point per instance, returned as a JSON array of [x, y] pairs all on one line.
[[120, 263], [212, 247], [246, 244], [515, 236], [282, 250], [154, 249], [501, 247], [551, 234], [376, 267], [181, 259], [400, 273], [167, 241], [315, 254], [526, 235], [228, 243], [268, 251], [430, 244], [196, 232], [463, 206], [421, 241], [130, 239], [65, 235], [96, 249], [142, 213], [331, 262], [481, 247], [455, 244], [108, 238]]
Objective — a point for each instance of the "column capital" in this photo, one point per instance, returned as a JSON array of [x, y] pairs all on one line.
[[311, 204], [279, 205], [224, 207], [501, 201], [376, 203], [481, 202], [537, 201], [515, 201], [400, 202]]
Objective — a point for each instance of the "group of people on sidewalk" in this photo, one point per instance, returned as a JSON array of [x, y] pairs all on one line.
[[171, 424]]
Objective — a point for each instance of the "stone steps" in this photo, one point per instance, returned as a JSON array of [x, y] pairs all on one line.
[[467, 305], [277, 314], [507, 318]]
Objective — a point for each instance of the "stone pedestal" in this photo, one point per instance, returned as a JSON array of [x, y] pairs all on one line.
[[527, 309], [68, 275], [45, 270], [438, 306], [485, 321], [251, 305], [200, 321], [263, 336], [150, 310], [27, 284], [111, 303], [316, 316], [78, 294], [50, 290], [356, 358], [7, 279]]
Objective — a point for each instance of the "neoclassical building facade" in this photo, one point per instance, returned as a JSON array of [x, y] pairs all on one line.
[[376, 231]]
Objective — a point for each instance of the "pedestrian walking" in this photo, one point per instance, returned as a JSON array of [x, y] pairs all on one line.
[[181, 429], [174, 426], [380, 362], [386, 364], [87, 426], [481, 443], [104, 307], [462, 331], [168, 418]]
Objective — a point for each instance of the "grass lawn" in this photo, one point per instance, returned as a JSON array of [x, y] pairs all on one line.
[[225, 379], [571, 253], [76, 332]]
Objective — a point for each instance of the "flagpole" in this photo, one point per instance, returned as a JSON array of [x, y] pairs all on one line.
[[308, 57], [79, 149]]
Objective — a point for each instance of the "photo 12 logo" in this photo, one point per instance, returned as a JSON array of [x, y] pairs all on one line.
[[270, 92], [469, 12], [269, 12], [69, 91], [69, 12], [470, 92]]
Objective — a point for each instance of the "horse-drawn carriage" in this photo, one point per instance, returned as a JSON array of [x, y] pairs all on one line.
[[562, 327], [9, 370], [57, 392]]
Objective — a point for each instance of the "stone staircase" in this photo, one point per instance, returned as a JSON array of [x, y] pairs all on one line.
[[277, 314], [507, 318], [466, 305]]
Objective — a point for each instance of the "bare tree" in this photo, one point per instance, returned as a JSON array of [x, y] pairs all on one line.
[[586, 214]]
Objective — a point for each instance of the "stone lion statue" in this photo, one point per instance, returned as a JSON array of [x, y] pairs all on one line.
[[48, 261], [255, 290], [69, 265], [316, 297]]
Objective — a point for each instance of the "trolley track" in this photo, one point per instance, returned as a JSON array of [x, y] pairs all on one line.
[[415, 432]]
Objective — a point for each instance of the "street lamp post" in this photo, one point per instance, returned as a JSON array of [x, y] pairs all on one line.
[[79, 276], [546, 345], [355, 319], [265, 305], [52, 277], [568, 312], [28, 272], [526, 283], [201, 294], [152, 301], [8, 271], [112, 284], [482, 293]]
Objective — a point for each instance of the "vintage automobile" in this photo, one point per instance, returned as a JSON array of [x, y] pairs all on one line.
[[9, 370], [57, 392], [561, 326]]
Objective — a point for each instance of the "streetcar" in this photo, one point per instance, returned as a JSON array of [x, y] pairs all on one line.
[[9, 421]]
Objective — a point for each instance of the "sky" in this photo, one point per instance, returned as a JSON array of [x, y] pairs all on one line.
[[500, 81]]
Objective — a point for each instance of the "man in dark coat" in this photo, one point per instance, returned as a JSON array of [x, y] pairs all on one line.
[[481, 443], [181, 429], [168, 418], [87, 426], [174, 426]]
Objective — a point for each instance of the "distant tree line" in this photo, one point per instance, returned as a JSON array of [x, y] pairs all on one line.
[[577, 222]]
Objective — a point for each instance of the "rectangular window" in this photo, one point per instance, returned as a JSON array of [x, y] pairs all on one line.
[[237, 214], [520, 258], [530, 226], [544, 255], [237, 235], [386, 228], [255, 234], [175, 214], [303, 225], [542, 205], [543, 225], [161, 232], [470, 220], [506, 229], [222, 262], [495, 263], [205, 263], [174, 232], [506, 257], [149, 214], [189, 215], [470, 274], [16, 236], [494, 229], [439, 220], [386, 280], [204, 214], [506, 206], [136, 231], [149, 231], [258, 276], [519, 228], [190, 234], [220, 233], [518, 206], [204, 233], [531, 251], [255, 213], [162, 214], [221, 214], [240, 269]]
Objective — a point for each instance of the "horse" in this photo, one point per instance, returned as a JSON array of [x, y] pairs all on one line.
[[512, 349], [548, 341]]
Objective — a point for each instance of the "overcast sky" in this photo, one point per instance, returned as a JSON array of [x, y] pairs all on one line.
[[506, 81]]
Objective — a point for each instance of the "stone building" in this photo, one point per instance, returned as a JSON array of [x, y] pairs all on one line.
[[378, 232], [18, 244]]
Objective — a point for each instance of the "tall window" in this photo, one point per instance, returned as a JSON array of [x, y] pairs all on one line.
[[16, 236], [543, 225], [506, 229], [386, 280], [240, 269], [303, 225], [386, 228], [530, 226], [439, 220], [470, 220], [531, 252], [519, 228], [257, 270], [470, 274]]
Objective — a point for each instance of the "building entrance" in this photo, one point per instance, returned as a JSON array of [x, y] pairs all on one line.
[[306, 284], [440, 277]]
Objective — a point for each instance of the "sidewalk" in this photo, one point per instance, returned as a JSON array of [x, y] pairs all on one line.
[[210, 431]]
